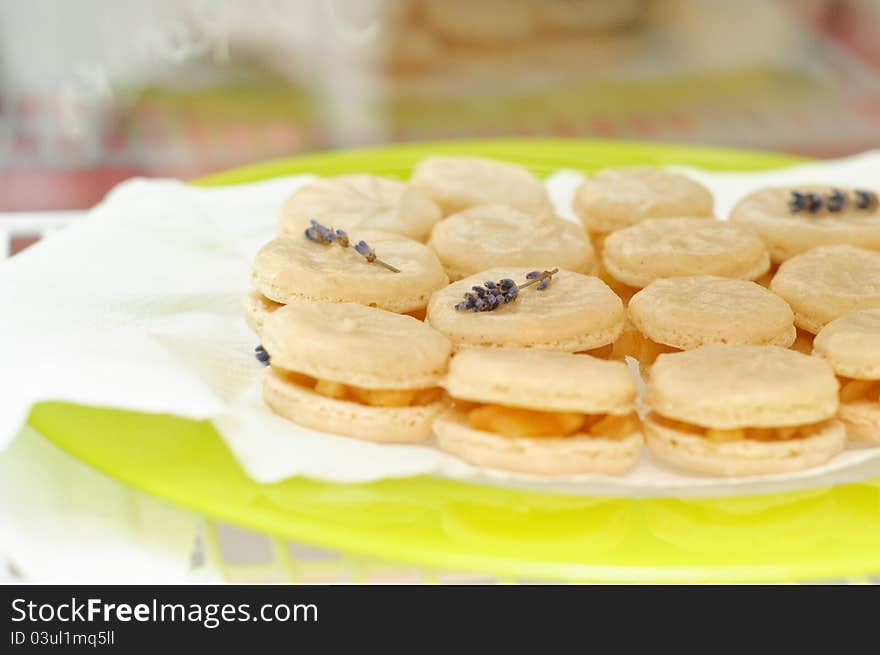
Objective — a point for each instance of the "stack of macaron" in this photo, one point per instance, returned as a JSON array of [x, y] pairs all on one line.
[[458, 309]]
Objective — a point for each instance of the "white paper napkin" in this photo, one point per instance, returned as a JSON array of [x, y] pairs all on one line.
[[138, 306]]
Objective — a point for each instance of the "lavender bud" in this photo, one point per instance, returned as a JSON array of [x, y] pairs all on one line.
[[543, 284], [836, 200], [865, 200], [532, 275]]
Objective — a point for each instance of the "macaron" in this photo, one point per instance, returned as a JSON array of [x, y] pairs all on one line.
[[575, 313], [733, 410], [256, 308], [683, 313], [538, 412], [457, 183], [788, 228], [491, 236], [292, 267], [678, 247], [851, 344], [616, 198], [825, 283], [361, 202], [354, 370]]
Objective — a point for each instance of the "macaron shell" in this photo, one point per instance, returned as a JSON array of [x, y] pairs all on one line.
[[542, 380], [851, 344], [616, 198], [575, 313], [746, 457], [825, 283], [862, 421], [380, 424], [256, 308], [457, 183], [688, 312], [547, 456], [728, 386], [356, 345], [766, 213], [292, 267], [361, 202], [677, 247], [491, 236]]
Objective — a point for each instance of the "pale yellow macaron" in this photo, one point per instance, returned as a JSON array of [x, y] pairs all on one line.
[[825, 283], [256, 308], [615, 198], [851, 344], [491, 236], [575, 313], [361, 202], [733, 410], [354, 370], [677, 247], [457, 183], [683, 313], [292, 266], [786, 233], [538, 412]]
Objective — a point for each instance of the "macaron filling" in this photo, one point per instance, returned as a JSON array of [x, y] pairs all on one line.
[[715, 435], [507, 421], [857, 391], [633, 343], [360, 395]]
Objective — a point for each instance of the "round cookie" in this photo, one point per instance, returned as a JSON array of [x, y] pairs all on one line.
[[491, 236], [825, 283], [457, 183], [616, 198], [745, 457], [733, 410], [354, 370], [256, 308], [851, 344], [786, 234], [542, 413], [361, 202], [688, 312], [575, 313], [677, 247], [292, 267], [730, 386]]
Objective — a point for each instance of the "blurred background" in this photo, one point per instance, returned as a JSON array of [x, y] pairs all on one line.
[[95, 91]]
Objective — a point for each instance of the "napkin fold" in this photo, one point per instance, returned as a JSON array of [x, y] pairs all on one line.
[[138, 306]]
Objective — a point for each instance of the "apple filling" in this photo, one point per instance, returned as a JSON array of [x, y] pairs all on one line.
[[634, 344], [738, 434], [519, 422], [363, 396], [852, 391]]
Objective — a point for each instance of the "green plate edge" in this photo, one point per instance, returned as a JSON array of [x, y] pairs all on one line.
[[450, 525]]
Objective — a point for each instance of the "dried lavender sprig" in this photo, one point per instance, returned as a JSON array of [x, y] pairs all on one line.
[[327, 235], [261, 355], [369, 254], [492, 295], [834, 202]]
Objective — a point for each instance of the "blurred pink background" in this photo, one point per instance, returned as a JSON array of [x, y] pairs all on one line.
[[95, 91]]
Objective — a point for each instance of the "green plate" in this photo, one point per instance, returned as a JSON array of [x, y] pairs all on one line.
[[806, 535]]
